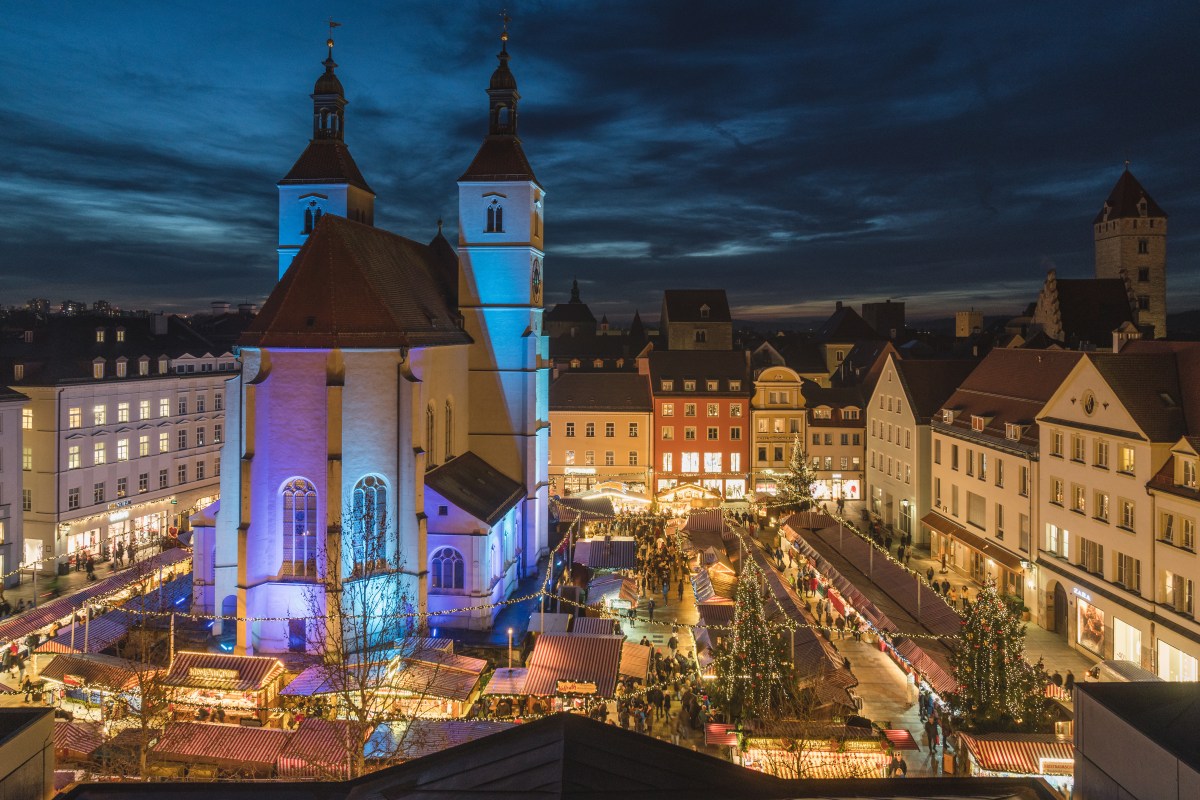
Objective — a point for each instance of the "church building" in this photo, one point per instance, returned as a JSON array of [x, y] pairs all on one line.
[[387, 437]]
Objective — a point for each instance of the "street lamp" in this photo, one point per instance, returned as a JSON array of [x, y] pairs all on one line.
[[510, 649]]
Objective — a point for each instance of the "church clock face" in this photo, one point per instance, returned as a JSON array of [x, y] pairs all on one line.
[[1089, 403], [535, 280]]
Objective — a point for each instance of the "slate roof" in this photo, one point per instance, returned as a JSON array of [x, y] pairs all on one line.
[[1167, 713], [1009, 386], [928, 383], [500, 158], [1122, 202], [353, 285], [326, 161], [683, 305], [700, 365], [845, 325], [474, 486], [63, 347], [596, 391], [1092, 308]]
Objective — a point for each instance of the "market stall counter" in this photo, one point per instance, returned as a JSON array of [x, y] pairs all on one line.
[[230, 688]]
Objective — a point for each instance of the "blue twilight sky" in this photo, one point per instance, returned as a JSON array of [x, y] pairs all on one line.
[[796, 153]]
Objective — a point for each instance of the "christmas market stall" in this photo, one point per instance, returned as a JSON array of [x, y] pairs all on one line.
[[76, 741], [1041, 755], [98, 686], [433, 683], [793, 749], [216, 686], [565, 672], [197, 749], [321, 748], [679, 500], [90, 636]]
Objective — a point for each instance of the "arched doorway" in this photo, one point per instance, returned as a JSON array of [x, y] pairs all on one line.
[[1056, 609]]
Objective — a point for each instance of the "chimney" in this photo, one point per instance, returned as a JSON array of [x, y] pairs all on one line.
[[838, 306], [158, 324]]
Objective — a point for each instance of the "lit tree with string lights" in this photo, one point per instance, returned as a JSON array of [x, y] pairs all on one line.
[[795, 488], [749, 671], [999, 690]]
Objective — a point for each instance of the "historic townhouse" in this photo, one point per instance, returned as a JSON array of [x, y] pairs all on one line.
[[599, 431], [701, 419], [907, 395], [1176, 572], [777, 417], [835, 434], [14, 417], [1107, 431], [984, 467], [122, 431]]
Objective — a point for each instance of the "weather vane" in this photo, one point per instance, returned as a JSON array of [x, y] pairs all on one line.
[[505, 19], [329, 42]]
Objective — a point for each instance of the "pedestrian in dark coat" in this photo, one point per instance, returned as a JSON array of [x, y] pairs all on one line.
[[1069, 685]]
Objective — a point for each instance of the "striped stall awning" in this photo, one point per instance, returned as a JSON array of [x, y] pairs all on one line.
[[99, 634], [635, 660], [901, 739], [708, 521], [721, 734], [937, 675], [79, 739], [1021, 754], [601, 625], [102, 672], [222, 745], [573, 658], [505, 681], [320, 748], [615, 553]]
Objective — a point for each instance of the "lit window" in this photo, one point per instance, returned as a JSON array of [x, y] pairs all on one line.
[[27, 459], [164, 442], [122, 450], [164, 407], [122, 412], [99, 415], [99, 455], [27, 419], [73, 457], [143, 446], [370, 522]]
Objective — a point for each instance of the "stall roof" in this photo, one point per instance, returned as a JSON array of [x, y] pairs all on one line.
[[1022, 753], [600, 625], [320, 748], [222, 672], [635, 660], [590, 508], [436, 673], [60, 608], [105, 672], [615, 553], [541, 622], [423, 737], [507, 681], [573, 657], [202, 742], [708, 521], [79, 738], [92, 637]]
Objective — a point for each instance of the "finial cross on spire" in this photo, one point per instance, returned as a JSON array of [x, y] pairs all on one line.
[[504, 19]]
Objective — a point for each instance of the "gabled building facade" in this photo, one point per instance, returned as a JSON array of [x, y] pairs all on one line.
[[778, 417], [600, 431]]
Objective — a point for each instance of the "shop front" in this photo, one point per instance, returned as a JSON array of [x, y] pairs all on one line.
[[1174, 663], [120, 524], [216, 687], [838, 487], [973, 555]]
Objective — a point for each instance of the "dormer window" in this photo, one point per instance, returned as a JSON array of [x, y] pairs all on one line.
[[667, 386], [1188, 473], [495, 218], [598, 363], [99, 335], [575, 362], [689, 386], [735, 386], [712, 385], [122, 367], [1012, 432], [704, 311], [28, 337], [849, 413], [18, 372], [163, 365], [947, 416], [978, 423], [98, 368], [822, 413], [120, 334]]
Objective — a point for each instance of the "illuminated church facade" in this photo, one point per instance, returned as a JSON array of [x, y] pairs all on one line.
[[389, 425]]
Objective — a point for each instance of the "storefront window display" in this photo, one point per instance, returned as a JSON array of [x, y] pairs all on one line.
[[1127, 642], [1176, 665], [1090, 631]]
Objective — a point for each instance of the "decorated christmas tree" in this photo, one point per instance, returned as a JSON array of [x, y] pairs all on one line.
[[795, 488], [749, 676], [999, 690]]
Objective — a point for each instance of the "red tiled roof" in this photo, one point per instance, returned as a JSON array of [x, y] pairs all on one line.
[[221, 744], [105, 672], [571, 657], [253, 672], [1022, 753], [353, 285], [500, 158], [326, 161], [79, 738]]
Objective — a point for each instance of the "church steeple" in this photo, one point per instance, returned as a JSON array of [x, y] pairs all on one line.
[[329, 99], [502, 93]]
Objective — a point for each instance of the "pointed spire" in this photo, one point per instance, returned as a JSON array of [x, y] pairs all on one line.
[[575, 292], [329, 99], [502, 91]]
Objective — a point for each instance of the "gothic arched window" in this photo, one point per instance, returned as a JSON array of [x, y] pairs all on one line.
[[299, 518], [369, 525], [495, 218], [446, 570], [449, 449]]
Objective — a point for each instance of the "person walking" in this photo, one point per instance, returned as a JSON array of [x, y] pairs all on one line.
[[841, 627], [673, 644], [681, 588], [650, 609], [1069, 685]]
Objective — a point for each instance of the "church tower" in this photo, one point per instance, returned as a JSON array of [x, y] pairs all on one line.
[[325, 179], [1131, 236], [500, 250]]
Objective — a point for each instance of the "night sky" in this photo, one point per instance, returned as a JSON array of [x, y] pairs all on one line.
[[946, 154]]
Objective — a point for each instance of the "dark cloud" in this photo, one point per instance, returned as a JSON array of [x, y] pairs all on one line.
[[795, 153]]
